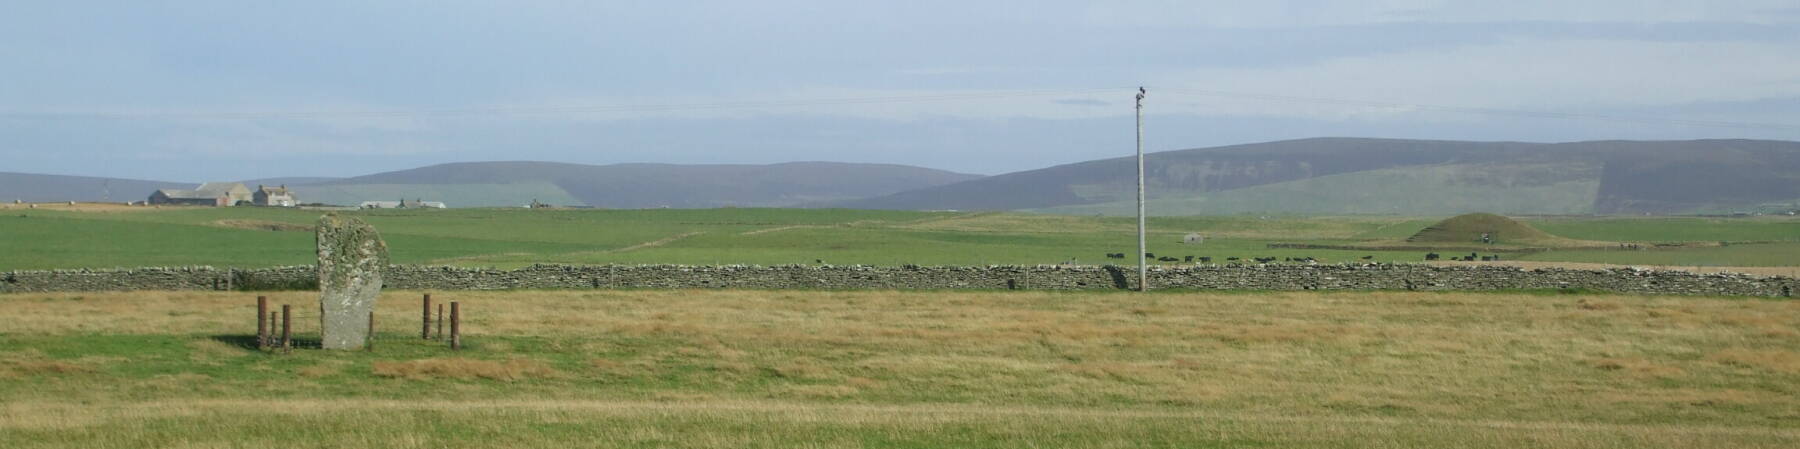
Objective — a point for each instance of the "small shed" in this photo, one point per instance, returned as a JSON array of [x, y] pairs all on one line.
[[1193, 238]]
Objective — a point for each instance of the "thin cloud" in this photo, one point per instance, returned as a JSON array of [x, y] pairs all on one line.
[[1081, 102]]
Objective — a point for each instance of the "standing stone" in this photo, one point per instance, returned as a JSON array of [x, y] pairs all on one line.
[[351, 257]]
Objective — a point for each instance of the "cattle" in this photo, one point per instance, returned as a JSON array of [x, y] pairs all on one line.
[[1265, 259], [1115, 255], [1150, 255], [1205, 259], [1167, 259], [1431, 256], [1233, 259], [1367, 257], [1187, 259]]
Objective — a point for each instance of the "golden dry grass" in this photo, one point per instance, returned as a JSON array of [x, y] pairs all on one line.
[[34, 363], [1404, 369], [262, 225], [463, 368], [734, 424]]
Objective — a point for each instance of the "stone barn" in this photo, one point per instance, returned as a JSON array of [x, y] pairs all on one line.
[[208, 194]]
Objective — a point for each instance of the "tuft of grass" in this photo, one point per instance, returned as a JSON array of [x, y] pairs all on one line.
[[1777, 360], [1594, 304], [1638, 367], [463, 368], [19, 368]]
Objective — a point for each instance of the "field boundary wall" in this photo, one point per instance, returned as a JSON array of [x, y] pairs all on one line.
[[1042, 277]]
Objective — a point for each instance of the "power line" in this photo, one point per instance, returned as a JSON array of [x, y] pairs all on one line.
[[251, 115], [1485, 111], [838, 101]]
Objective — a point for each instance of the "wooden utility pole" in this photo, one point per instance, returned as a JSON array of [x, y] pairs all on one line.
[[1143, 271]]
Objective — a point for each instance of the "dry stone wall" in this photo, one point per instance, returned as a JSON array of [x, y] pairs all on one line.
[[1044, 277]]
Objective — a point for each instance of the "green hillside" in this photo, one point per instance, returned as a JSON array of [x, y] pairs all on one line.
[[1521, 189], [638, 186], [31, 188], [1397, 176]]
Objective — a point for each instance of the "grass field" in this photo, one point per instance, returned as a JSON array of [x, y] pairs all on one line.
[[120, 237], [914, 369]]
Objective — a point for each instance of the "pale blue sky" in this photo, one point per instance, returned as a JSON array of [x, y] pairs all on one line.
[[199, 90]]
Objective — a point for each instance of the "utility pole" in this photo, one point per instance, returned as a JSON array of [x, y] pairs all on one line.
[[1143, 271]]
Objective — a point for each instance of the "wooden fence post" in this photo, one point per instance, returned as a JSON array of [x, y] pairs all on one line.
[[262, 323], [455, 326], [287, 340], [440, 322], [369, 344], [425, 329]]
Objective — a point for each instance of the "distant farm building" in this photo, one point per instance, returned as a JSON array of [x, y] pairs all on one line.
[[208, 194], [273, 196], [1193, 239], [403, 204]]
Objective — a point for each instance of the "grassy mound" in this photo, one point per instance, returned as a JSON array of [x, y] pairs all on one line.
[[1469, 228]]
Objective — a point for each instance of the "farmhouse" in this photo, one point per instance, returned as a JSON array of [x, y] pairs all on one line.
[[274, 196], [208, 194]]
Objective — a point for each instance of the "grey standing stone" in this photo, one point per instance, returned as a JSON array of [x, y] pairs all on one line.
[[351, 257]]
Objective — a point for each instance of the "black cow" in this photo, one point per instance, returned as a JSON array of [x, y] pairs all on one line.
[[1205, 259], [1431, 256], [1187, 259]]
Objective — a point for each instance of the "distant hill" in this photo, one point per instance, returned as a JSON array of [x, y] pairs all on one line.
[[49, 188], [1395, 176], [473, 184], [289, 181], [486, 184]]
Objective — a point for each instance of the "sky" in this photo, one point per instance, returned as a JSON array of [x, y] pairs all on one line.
[[230, 90]]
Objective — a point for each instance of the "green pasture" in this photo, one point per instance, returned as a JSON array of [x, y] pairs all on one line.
[[506, 238]]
